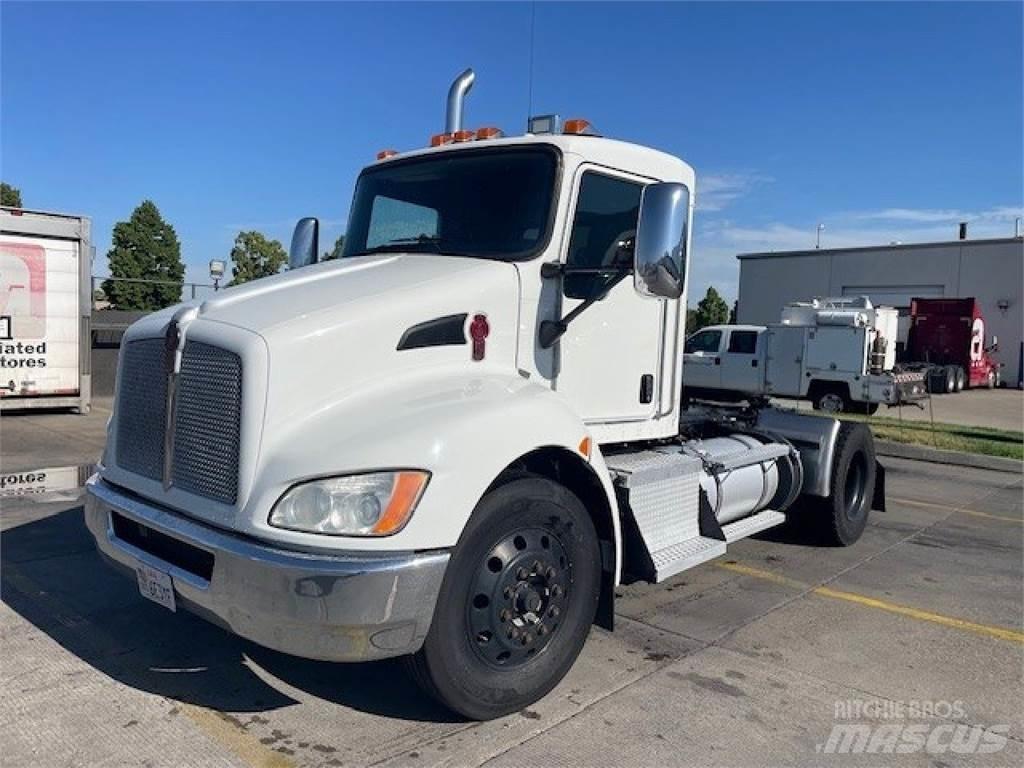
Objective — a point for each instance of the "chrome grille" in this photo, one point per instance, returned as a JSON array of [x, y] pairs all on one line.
[[142, 407], [207, 422]]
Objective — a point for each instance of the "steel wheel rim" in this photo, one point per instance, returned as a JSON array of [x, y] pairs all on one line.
[[831, 403], [518, 598]]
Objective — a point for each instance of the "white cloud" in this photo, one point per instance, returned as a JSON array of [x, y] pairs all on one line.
[[716, 191], [932, 216]]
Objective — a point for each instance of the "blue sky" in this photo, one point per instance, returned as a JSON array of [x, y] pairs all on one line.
[[883, 121]]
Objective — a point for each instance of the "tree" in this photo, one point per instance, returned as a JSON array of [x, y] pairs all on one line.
[[335, 252], [144, 248], [10, 196], [711, 310], [691, 320], [255, 257]]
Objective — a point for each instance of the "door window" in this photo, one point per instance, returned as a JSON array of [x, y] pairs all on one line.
[[606, 214], [743, 342], [704, 341]]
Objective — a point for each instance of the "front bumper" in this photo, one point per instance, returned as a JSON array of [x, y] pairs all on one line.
[[909, 387], [336, 607]]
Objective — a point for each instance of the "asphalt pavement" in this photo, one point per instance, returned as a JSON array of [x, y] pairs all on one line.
[[780, 653]]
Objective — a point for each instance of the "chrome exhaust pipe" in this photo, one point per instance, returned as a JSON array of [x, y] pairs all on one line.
[[456, 96]]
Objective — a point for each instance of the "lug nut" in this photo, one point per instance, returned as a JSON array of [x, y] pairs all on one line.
[[514, 633], [506, 614], [553, 613], [542, 630], [511, 632], [557, 590], [507, 593], [550, 573], [538, 566], [522, 574], [527, 639]]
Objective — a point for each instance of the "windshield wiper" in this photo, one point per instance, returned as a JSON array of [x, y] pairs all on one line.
[[400, 243]]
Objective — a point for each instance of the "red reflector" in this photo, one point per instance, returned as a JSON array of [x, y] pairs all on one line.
[[479, 330]]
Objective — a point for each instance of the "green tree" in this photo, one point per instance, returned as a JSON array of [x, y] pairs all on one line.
[[144, 248], [711, 310], [10, 196], [255, 257], [335, 252]]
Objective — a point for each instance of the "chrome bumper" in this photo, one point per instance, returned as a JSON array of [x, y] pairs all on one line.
[[343, 607]]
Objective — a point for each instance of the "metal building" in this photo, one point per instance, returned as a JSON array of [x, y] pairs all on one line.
[[992, 271]]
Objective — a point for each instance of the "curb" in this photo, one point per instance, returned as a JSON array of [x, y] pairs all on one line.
[[939, 456]]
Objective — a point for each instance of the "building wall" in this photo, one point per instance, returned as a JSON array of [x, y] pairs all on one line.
[[991, 271]]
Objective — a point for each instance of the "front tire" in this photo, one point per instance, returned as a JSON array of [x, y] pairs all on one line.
[[516, 604]]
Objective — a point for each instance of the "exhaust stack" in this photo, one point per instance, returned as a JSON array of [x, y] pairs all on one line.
[[456, 96]]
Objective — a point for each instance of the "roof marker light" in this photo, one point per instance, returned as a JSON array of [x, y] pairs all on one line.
[[460, 136], [439, 139], [489, 132], [579, 127], [384, 154]]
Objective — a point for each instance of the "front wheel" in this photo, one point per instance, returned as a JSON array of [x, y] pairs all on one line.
[[516, 604]]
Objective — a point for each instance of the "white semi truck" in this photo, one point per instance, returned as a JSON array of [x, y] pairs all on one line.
[[45, 310], [839, 353], [451, 443]]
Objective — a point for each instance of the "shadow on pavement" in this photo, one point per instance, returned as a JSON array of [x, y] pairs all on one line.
[[53, 577]]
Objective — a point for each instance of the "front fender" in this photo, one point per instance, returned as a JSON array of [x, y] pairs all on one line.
[[463, 429]]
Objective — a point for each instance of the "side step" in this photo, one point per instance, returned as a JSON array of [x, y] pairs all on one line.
[[678, 557], [748, 526]]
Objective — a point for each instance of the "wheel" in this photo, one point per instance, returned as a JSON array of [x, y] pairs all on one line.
[[991, 380], [950, 373], [516, 604], [831, 402], [843, 515], [960, 380]]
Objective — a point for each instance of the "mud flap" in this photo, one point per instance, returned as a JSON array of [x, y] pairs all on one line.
[[878, 499]]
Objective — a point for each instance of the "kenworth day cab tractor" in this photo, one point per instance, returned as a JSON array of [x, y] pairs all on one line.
[[454, 442]]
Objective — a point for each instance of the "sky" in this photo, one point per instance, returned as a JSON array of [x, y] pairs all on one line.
[[882, 121]]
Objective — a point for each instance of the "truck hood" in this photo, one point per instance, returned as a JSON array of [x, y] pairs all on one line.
[[334, 329]]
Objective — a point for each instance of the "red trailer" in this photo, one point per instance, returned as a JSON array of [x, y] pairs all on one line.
[[946, 342]]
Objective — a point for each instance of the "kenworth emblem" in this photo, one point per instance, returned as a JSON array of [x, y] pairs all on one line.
[[174, 342]]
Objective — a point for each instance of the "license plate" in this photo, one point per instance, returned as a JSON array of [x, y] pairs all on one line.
[[155, 585]]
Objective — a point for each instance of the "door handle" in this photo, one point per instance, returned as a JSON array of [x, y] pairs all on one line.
[[718, 361], [753, 363]]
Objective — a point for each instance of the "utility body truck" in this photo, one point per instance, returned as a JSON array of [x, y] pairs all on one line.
[[452, 443], [946, 345], [839, 353], [45, 310]]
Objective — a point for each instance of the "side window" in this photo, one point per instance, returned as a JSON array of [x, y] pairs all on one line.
[[743, 342], [704, 341], [395, 220], [606, 214]]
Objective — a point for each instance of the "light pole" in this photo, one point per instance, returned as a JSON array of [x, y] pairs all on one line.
[[817, 239], [216, 272]]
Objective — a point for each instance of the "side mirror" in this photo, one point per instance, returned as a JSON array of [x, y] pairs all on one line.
[[305, 243], [659, 253]]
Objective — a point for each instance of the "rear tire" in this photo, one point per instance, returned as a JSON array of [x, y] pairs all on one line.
[[961, 379], [832, 400], [516, 604], [842, 517], [950, 373]]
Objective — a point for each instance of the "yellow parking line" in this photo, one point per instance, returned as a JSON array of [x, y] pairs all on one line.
[[972, 512], [1000, 633], [229, 735]]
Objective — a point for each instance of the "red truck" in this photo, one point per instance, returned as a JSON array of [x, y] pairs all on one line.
[[946, 343]]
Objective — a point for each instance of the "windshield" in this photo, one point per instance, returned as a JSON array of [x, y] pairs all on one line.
[[493, 204]]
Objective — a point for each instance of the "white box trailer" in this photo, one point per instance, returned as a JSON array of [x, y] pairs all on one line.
[[839, 353], [45, 310]]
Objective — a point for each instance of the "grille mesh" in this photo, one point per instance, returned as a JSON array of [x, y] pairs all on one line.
[[141, 409], [207, 422]]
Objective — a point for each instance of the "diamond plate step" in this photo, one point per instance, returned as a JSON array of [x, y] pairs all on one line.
[[748, 526], [678, 557]]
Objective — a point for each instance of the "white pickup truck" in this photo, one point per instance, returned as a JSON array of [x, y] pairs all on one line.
[[839, 353], [451, 443]]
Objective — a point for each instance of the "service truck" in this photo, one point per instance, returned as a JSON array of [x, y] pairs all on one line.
[[946, 345], [45, 310], [452, 443], [839, 353]]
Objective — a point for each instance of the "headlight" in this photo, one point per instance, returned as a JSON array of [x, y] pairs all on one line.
[[375, 504]]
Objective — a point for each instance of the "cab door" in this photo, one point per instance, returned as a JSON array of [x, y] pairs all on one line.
[[702, 360], [741, 364], [610, 355]]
